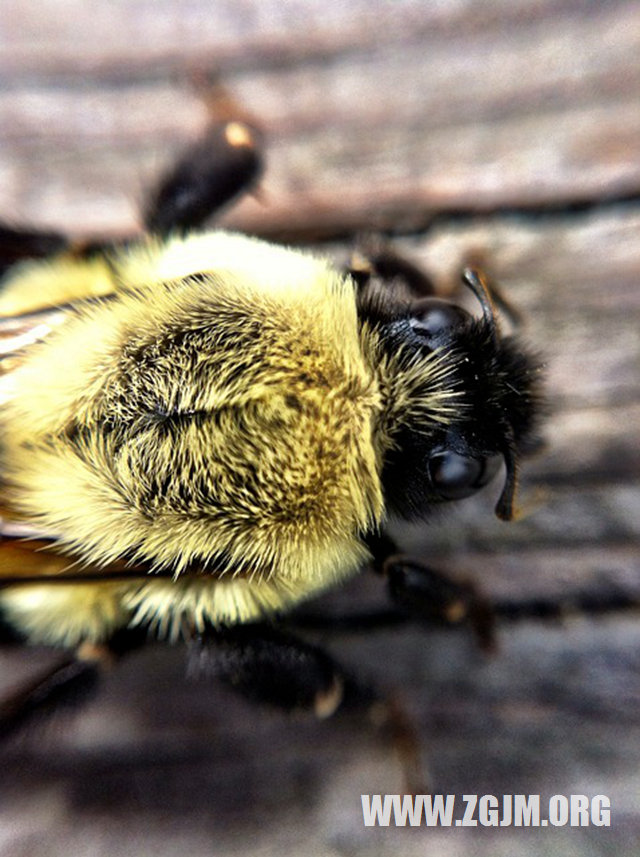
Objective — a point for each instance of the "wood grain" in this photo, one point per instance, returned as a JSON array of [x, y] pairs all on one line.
[[446, 113], [507, 131]]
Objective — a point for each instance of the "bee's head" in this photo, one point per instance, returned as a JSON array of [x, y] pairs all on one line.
[[470, 401]]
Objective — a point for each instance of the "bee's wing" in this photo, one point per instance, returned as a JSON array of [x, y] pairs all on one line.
[[20, 328], [26, 559], [21, 546], [30, 557], [16, 334], [19, 331]]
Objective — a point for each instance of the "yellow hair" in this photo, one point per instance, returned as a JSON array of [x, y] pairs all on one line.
[[224, 421]]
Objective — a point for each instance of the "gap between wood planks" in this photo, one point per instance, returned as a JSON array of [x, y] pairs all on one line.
[[420, 223]]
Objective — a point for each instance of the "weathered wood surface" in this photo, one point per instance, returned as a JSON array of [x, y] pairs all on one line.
[[418, 109], [506, 129]]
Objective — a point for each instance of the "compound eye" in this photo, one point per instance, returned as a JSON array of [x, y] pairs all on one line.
[[456, 476], [431, 317]]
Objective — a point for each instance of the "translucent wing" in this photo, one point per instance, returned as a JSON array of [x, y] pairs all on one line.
[[29, 555]]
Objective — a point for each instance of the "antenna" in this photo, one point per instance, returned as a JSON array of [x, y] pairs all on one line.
[[476, 282]]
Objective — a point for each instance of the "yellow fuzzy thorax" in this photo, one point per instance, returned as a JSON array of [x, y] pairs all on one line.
[[224, 422], [218, 412]]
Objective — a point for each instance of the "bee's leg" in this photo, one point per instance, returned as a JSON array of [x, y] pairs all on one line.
[[16, 245], [418, 593], [211, 172], [376, 261], [269, 666], [421, 594], [8, 633], [67, 685], [427, 595]]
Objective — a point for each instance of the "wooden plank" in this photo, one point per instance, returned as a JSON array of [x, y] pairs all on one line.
[[557, 104], [469, 130], [186, 766], [575, 280], [132, 34]]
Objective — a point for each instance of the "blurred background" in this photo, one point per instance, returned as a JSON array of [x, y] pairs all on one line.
[[506, 131]]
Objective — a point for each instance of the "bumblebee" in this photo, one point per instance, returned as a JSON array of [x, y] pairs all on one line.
[[204, 429]]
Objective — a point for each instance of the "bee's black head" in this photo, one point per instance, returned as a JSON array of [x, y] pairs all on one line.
[[493, 384]]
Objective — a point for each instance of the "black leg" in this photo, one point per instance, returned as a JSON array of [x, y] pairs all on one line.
[[68, 685], [430, 596], [65, 686], [418, 593], [19, 244], [211, 172], [376, 260], [8, 634], [427, 595], [269, 666]]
